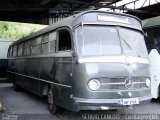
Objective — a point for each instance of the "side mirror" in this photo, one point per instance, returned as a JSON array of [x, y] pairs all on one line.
[[74, 54], [145, 34], [75, 57]]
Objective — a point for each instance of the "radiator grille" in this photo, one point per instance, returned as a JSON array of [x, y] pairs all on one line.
[[119, 83]]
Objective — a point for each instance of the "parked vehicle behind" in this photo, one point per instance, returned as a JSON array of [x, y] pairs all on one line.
[[152, 28]]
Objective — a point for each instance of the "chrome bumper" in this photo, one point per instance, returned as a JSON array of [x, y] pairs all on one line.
[[104, 104]]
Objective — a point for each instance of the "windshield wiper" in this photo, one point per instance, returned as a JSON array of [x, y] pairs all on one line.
[[130, 46], [128, 43]]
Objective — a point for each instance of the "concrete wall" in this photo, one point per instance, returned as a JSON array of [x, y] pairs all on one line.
[[4, 45]]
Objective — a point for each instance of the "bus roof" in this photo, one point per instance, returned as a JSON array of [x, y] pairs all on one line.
[[69, 22]]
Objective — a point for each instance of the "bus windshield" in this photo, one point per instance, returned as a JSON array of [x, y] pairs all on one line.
[[93, 40], [109, 40], [133, 42]]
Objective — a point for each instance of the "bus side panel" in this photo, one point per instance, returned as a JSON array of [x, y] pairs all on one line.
[[47, 72], [24, 83], [29, 68], [19, 80], [13, 64], [33, 84], [155, 72], [47, 69], [63, 77], [11, 69]]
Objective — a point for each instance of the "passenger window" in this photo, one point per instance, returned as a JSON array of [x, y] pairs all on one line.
[[64, 40], [15, 50], [20, 49], [52, 41], [35, 46], [27, 48], [9, 52], [45, 44]]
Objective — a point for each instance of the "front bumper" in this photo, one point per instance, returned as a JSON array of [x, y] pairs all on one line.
[[104, 104]]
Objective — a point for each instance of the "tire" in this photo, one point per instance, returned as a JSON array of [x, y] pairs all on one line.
[[53, 108]]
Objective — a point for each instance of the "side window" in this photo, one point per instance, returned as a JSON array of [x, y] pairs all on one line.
[[35, 46], [15, 50], [52, 41], [45, 44], [27, 48], [20, 49], [10, 52], [64, 42]]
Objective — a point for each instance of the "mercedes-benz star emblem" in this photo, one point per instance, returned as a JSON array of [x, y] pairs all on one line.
[[128, 83]]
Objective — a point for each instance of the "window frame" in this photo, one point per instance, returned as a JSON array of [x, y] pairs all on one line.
[[71, 37], [15, 50], [44, 42], [34, 45], [9, 52], [27, 47], [55, 43], [20, 49]]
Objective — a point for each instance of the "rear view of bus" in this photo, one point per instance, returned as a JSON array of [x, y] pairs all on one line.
[[111, 68]]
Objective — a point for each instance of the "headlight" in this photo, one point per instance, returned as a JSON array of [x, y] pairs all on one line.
[[93, 84], [148, 82]]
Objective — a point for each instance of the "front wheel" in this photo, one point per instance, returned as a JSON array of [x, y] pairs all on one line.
[[53, 108]]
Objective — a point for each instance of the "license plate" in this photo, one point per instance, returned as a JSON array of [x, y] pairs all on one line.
[[131, 101]]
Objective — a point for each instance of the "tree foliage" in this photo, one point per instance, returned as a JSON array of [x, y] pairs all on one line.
[[13, 30]]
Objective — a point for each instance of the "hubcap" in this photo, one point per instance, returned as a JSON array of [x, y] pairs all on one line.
[[50, 98]]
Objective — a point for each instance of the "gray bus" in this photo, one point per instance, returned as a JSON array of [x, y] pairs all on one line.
[[94, 60]]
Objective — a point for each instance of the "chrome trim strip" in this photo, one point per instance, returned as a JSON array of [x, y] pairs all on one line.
[[50, 55], [139, 82], [121, 83], [118, 83], [82, 100], [119, 90], [65, 62], [109, 23], [40, 79], [114, 59]]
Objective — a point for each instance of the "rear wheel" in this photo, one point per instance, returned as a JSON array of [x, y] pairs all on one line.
[[53, 108]]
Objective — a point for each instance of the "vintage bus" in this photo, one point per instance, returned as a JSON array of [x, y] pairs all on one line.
[[94, 60], [152, 28], [4, 45]]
